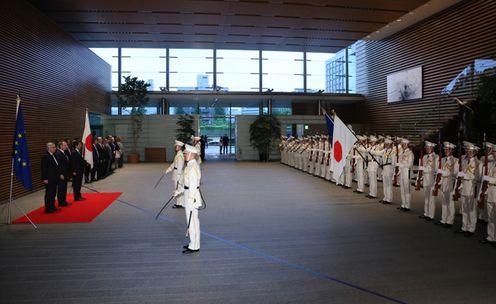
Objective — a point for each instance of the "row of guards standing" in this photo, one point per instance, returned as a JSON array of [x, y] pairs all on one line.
[[471, 181]]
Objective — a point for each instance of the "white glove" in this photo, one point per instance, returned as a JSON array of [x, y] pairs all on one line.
[[168, 170], [489, 179], [460, 174], [197, 204], [441, 171], [176, 193]]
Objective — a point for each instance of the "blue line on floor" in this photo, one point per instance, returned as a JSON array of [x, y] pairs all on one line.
[[272, 258]]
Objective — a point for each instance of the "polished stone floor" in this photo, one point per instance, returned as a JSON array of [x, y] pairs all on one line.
[[270, 234]]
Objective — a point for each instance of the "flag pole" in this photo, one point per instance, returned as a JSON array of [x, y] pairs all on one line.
[[11, 202], [18, 99]]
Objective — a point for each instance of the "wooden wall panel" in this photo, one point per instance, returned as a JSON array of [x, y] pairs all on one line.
[[58, 78], [443, 45]]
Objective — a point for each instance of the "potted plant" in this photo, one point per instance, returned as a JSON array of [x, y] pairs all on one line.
[[132, 96], [265, 132], [185, 128]]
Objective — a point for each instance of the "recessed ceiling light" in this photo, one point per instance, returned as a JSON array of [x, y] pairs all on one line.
[[398, 20], [368, 36]]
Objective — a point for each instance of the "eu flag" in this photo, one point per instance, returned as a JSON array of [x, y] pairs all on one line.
[[330, 126], [22, 167]]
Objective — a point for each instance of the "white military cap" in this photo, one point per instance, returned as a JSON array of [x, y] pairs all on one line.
[[448, 145], [372, 138], [360, 137], [388, 141], [178, 143], [197, 138], [477, 148], [284, 137], [405, 141], [468, 145], [191, 149], [429, 144], [490, 145]]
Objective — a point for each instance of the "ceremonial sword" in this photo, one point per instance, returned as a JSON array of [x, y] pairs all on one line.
[[170, 200], [158, 182]]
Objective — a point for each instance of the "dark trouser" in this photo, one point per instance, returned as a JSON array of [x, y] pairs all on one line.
[[102, 169], [50, 190], [94, 170], [225, 149], [87, 171], [62, 191], [77, 180], [121, 161], [220, 149]]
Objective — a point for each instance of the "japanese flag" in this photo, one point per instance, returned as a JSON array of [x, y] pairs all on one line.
[[343, 141], [88, 142]]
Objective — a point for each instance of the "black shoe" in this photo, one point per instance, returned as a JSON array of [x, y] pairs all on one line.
[[486, 241], [386, 203], [190, 251], [381, 201], [186, 246], [459, 231], [423, 217], [447, 225], [177, 206], [469, 234], [428, 219], [370, 196], [406, 209], [65, 204], [439, 223], [400, 208], [51, 210], [359, 192]]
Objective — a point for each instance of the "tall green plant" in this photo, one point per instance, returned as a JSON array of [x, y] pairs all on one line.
[[265, 132], [185, 128], [132, 94]]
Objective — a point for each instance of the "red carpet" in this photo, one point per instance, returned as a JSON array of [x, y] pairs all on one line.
[[77, 212]]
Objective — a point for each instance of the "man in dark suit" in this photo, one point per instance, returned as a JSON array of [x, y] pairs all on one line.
[[102, 158], [77, 164], [96, 161], [64, 163], [50, 175]]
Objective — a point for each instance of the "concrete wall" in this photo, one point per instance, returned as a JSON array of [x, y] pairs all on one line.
[[159, 131], [246, 152]]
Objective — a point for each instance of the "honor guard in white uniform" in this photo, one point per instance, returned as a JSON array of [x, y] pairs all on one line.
[[360, 163], [490, 195], [469, 173], [192, 198], [282, 147], [348, 169], [328, 173], [325, 155], [380, 143], [449, 169], [388, 164], [482, 212], [405, 163], [320, 156], [306, 154], [313, 155], [430, 163], [177, 172], [374, 154], [197, 144]]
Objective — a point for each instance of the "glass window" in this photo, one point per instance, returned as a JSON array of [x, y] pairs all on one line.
[[238, 70], [316, 71], [146, 64], [110, 55], [190, 69], [336, 73], [352, 69], [282, 71]]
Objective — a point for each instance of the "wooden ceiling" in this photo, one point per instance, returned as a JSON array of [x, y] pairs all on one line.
[[295, 25]]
